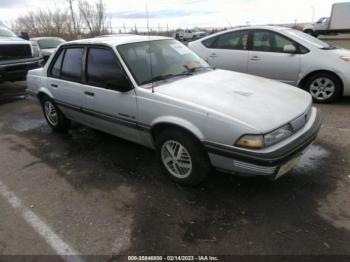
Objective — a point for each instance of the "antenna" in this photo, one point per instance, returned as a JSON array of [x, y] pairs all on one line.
[[149, 47]]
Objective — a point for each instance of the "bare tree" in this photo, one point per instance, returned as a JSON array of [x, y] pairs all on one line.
[[67, 23], [94, 16]]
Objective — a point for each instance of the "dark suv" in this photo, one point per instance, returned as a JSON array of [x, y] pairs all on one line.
[[17, 56]]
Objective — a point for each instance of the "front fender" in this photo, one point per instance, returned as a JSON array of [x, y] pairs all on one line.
[[179, 122]]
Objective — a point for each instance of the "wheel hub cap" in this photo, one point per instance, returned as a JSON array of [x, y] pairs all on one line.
[[176, 159], [322, 88], [51, 113]]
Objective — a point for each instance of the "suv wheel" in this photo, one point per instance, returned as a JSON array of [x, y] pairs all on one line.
[[324, 87], [182, 157], [54, 117]]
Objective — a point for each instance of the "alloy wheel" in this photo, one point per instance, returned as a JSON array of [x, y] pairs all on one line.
[[176, 159], [322, 88], [51, 113]]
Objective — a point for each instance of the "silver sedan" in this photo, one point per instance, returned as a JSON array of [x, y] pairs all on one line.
[[156, 92], [282, 54]]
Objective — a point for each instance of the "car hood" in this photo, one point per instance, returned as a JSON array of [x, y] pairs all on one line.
[[339, 52], [257, 102], [14, 40]]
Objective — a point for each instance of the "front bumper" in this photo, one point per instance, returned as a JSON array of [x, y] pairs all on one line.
[[17, 70], [235, 160]]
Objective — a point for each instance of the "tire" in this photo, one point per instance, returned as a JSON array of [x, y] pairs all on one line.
[[324, 87], [54, 117], [192, 166]]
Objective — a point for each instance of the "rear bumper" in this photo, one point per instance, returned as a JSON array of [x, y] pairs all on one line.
[[17, 71], [234, 160]]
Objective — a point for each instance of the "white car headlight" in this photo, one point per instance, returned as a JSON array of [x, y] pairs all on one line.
[[278, 135], [345, 58]]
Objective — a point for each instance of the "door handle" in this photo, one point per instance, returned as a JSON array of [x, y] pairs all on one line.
[[213, 55], [255, 58], [89, 93], [54, 85]]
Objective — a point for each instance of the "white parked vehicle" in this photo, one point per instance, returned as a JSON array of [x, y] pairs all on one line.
[[183, 35], [156, 92], [47, 45], [283, 54], [338, 22]]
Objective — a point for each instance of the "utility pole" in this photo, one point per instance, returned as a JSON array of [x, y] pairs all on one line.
[[313, 13]]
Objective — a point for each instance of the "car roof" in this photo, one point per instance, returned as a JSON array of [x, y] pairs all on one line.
[[117, 40], [261, 27], [44, 37]]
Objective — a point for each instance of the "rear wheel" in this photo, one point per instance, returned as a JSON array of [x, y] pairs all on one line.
[[182, 157], [54, 117], [324, 87]]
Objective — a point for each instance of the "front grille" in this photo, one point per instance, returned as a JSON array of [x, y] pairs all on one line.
[[12, 52]]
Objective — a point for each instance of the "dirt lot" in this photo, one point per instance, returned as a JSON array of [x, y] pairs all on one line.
[[88, 193]]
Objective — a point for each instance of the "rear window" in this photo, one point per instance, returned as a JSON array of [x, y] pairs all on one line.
[[72, 64], [56, 68]]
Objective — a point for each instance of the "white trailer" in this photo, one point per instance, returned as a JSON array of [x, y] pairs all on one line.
[[338, 22]]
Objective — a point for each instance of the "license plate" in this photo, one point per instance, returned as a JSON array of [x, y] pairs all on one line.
[[287, 167]]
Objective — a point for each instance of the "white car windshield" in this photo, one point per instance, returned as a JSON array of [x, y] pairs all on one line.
[[310, 39], [169, 59], [6, 33], [50, 43]]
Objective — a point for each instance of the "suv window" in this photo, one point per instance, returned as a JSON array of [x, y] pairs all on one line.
[[268, 41], [56, 68], [72, 64], [102, 67], [237, 40]]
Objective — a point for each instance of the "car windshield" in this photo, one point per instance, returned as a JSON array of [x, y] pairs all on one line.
[[6, 33], [50, 43], [169, 59], [311, 40]]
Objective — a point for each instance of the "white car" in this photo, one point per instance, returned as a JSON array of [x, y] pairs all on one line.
[[47, 45], [282, 54]]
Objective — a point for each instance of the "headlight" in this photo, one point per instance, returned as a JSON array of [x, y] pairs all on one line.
[[278, 135], [261, 141], [345, 58], [251, 141]]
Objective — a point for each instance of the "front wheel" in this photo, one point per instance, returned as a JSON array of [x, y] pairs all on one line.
[[182, 157], [54, 117], [324, 87]]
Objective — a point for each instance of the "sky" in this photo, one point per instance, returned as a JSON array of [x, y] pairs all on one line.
[[188, 13]]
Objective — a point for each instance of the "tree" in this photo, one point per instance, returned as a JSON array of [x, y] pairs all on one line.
[[94, 16]]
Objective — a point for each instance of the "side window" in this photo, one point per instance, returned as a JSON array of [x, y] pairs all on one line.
[[262, 41], [102, 67], [56, 68], [72, 64], [235, 41], [279, 42], [268, 41], [209, 42]]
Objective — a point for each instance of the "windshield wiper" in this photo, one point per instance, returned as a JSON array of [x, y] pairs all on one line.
[[195, 69], [165, 77]]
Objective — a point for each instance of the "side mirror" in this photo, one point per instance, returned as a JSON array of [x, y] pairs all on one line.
[[289, 49], [122, 85]]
